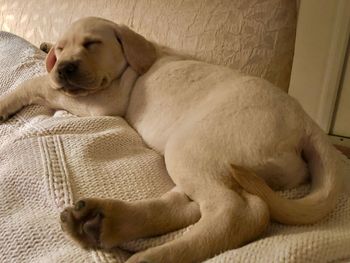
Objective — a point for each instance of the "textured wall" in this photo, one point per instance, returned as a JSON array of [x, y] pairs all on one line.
[[256, 36]]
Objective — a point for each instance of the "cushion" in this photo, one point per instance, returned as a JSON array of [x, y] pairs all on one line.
[[49, 159]]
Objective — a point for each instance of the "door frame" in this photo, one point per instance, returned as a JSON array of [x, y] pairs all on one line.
[[322, 37]]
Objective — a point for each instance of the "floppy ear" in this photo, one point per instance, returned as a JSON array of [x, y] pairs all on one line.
[[50, 60], [139, 52]]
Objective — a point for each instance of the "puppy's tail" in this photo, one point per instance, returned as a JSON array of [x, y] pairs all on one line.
[[325, 188]]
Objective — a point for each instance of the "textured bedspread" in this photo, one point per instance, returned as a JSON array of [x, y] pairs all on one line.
[[50, 159]]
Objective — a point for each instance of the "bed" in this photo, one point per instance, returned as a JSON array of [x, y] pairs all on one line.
[[49, 159]]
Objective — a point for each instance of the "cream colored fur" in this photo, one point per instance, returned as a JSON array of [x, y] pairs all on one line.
[[214, 126]]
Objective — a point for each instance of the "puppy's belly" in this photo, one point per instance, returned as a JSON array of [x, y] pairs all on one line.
[[169, 93]]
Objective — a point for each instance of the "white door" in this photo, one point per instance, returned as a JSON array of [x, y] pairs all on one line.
[[341, 120], [323, 32]]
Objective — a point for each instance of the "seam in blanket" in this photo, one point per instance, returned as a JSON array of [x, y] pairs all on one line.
[[60, 184], [55, 171], [57, 179], [67, 189], [46, 164]]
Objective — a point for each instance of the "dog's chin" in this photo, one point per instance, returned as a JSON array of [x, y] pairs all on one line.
[[75, 90], [78, 92]]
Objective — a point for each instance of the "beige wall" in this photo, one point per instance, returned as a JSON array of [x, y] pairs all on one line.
[[254, 36]]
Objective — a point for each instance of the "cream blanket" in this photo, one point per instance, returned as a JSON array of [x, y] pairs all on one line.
[[50, 159]]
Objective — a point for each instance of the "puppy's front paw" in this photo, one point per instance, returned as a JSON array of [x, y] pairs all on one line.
[[83, 222]]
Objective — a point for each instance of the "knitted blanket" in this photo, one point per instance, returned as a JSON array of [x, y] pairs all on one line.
[[50, 159]]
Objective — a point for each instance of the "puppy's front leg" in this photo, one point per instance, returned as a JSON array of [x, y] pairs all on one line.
[[29, 92]]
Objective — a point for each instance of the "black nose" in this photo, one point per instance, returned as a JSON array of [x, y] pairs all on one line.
[[67, 69]]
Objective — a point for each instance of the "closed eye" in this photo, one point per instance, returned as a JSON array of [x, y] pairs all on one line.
[[90, 43]]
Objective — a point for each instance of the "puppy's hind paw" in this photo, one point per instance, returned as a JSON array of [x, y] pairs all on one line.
[[83, 223]]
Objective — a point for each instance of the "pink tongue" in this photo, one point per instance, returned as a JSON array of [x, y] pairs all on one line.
[[50, 60]]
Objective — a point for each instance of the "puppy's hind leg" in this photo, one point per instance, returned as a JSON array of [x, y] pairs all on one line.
[[106, 223], [228, 221], [229, 218]]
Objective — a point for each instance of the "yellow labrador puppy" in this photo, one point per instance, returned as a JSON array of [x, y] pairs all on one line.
[[228, 139]]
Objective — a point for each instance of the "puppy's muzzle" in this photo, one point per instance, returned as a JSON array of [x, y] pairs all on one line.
[[67, 70]]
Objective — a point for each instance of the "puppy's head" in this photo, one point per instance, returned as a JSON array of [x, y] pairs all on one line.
[[93, 52]]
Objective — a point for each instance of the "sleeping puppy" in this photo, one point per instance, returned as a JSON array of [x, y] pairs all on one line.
[[228, 139]]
